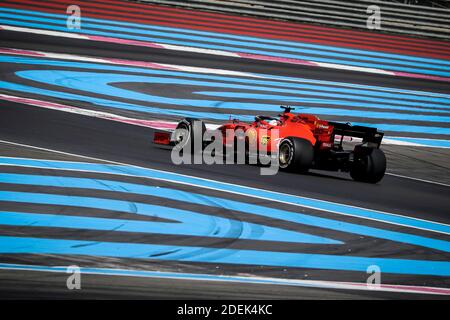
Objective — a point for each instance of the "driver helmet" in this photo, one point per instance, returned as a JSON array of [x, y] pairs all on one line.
[[273, 122]]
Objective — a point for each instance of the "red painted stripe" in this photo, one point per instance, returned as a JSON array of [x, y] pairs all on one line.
[[156, 15], [252, 56], [243, 21], [156, 12], [407, 49], [224, 21], [240, 20], [336, 43]]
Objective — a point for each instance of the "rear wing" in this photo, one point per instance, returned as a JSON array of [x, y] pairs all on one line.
[[370, 136]]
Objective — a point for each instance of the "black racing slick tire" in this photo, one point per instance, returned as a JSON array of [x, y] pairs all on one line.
[[295, 154], [369, 166], [189, 134]]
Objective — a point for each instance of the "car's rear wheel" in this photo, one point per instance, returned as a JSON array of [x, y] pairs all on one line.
[[369, 166], [295, 154]]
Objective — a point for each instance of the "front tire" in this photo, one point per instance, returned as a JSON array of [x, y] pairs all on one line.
[[295, 154], [185, 133], [369, 166]]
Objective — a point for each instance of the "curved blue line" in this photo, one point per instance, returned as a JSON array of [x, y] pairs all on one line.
[[331, 110], [190, 223], [187, 113], [101, 83], [363, 92], [195, 198], [226, 256], [112, 104], [264, 194]]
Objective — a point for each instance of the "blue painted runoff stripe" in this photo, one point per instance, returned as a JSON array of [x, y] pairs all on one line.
[[191, 223], [284, 43], [190, 197], [112, 104], [331, 110], [405, 128], [192, 40], [186, 113], [101, 83], [227, 48], [417, 99], [425, 142], [226, 229], [232, 188], [19, 245], [161, 35], [347, 99]]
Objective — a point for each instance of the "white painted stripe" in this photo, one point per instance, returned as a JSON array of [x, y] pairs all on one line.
[[198, 50], [232, 192], [131, 63], [212, 71], [398, 142], [354, 68], [216, 52], [45, 32], [156, 124], [417, 179], [402, 143], [323, 284]]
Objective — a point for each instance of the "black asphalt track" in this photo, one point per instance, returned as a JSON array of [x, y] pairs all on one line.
[[132, 145], [112, 141], [129, 144]]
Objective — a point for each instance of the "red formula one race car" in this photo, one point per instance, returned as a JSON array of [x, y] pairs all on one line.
[[298, 142]]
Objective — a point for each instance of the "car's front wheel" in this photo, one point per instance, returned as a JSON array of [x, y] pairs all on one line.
[[189, 134]]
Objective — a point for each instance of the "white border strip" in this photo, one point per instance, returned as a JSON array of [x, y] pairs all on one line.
[[322, 284], [223, 53]]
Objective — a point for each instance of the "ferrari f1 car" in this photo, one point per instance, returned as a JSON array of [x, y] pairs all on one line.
[[298, 141]]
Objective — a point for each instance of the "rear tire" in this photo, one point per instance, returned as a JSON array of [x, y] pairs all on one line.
[[369, 166], [295, 154]]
